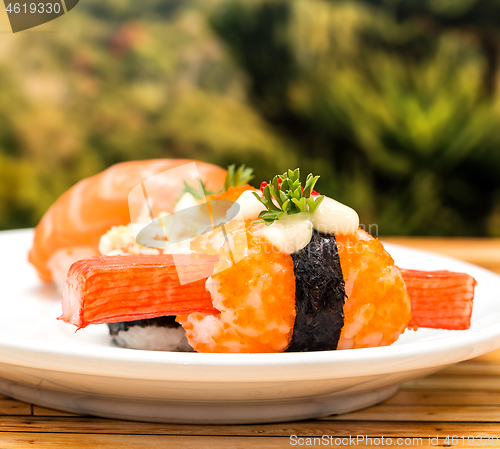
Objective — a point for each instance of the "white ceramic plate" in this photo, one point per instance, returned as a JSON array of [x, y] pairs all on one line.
[[43, 361]]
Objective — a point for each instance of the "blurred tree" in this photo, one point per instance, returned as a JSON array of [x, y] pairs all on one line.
[[395, 103], [117, 81], [400, 109], [478, 17]]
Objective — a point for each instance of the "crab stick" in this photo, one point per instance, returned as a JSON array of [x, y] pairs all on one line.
[[110, 289], [440, 299]]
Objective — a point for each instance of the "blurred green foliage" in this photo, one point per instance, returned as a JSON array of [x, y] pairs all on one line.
[[394, 103]]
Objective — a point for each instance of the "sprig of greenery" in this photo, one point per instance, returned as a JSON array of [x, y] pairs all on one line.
[[284, 196], [238, 177], [198, 194], [235, 177]]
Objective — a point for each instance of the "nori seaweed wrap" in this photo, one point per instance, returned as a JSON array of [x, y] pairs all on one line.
[[319, 295], [158, 334], [162, 321]]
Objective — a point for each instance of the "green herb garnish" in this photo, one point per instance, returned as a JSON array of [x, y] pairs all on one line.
[[235, 177], [197, 194], [284, 196], [238, 177]]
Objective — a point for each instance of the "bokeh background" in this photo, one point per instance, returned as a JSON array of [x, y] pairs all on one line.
[[395, 103]]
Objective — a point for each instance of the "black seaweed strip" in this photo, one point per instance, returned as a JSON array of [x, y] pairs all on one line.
[[162, 321], [319, 295]]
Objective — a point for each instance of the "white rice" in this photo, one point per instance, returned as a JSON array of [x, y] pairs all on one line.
[[153, 338]]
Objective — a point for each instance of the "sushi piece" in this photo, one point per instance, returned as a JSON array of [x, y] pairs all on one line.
[[287, 292], [71, 228], [155, 334], [147, 287], [377, 305], [440, 299]]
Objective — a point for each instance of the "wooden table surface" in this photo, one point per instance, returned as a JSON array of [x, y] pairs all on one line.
[[460, 401]]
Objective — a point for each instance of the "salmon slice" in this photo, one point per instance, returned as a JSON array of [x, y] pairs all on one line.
[[74, 224], [111, 289], [440, 299]]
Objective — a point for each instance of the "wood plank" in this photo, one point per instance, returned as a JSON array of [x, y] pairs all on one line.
[[473, 368], [79, 441], [388, 412], [12, 407], [325, 426], [458, 383], [42, 411], [490, 357], [432, 397], [411, 429]]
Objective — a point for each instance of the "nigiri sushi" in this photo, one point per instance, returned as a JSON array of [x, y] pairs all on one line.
[[71, 229]]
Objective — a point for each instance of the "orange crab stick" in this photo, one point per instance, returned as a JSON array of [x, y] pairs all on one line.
[[440, 299], [110, 289]]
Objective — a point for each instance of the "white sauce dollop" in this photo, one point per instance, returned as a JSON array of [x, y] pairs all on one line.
[[290, 234], [332, 217], [250, 207]]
